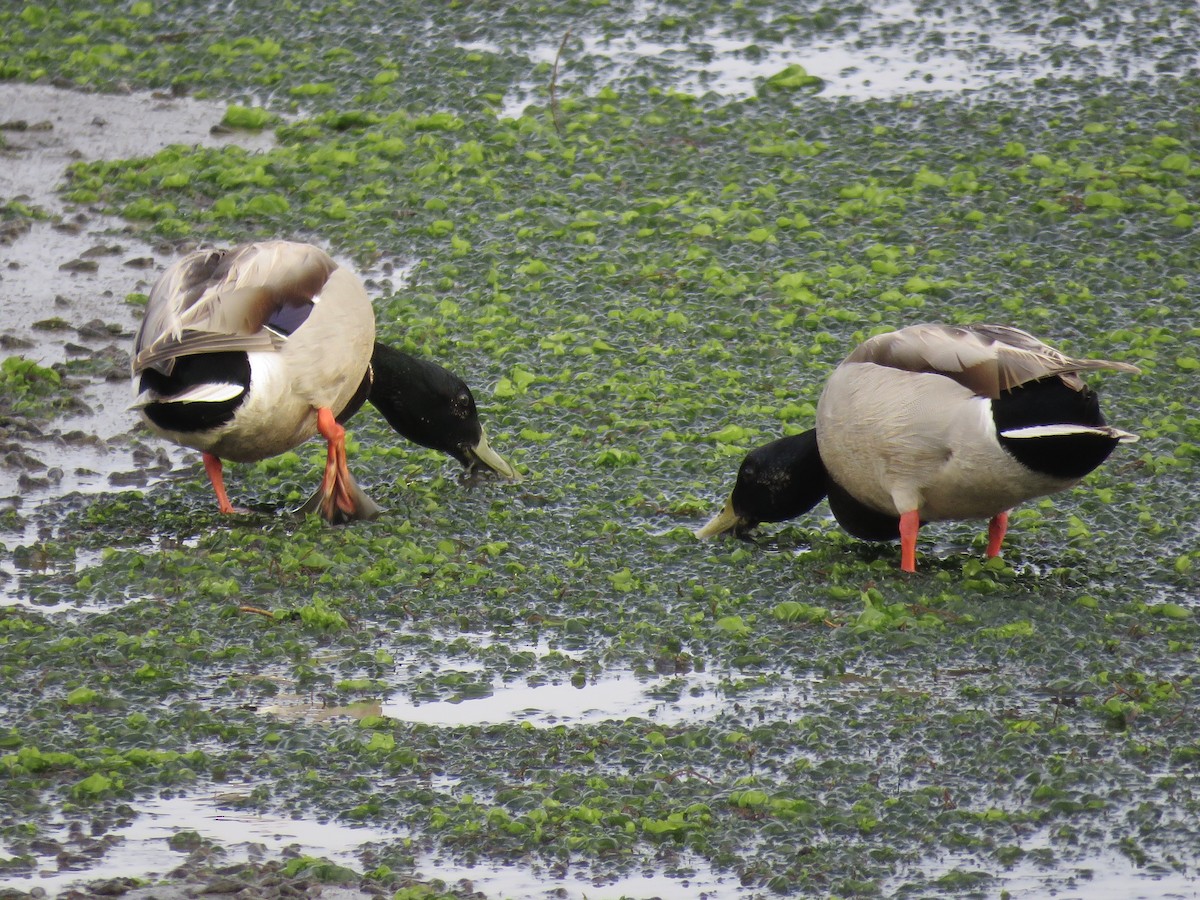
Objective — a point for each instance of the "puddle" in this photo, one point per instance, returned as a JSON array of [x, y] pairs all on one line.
[[699, 882], [19, 573], [1099, 878], [1108, 876], [891, 49], [663, 700], [142, 850], [692, 697], [99, 126]]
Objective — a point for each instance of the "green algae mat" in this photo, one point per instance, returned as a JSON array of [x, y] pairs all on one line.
[[642, 278]]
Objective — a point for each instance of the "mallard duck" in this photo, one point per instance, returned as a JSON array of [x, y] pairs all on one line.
[[933, 422], [246, 353]]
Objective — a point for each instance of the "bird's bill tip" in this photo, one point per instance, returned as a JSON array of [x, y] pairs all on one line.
[[483, 453], [725, 520]]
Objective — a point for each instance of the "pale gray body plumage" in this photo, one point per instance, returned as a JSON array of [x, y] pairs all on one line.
[[196, 308], [905, 422]]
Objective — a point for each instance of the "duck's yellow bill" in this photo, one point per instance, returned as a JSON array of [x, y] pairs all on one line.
[[483, 453], [725, 520]]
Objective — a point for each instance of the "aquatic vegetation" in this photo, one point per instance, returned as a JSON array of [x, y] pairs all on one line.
[[32, 392], [644, 282]]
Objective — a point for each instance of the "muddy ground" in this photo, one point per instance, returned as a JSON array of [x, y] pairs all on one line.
[[645, 263]]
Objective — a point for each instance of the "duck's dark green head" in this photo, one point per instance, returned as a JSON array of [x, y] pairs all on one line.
[[776, 481], [433, 407]]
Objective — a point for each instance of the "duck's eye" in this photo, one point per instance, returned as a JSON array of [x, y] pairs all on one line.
[[462, 405]]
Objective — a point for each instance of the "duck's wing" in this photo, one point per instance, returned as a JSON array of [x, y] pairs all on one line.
[[247, 298], [988, 359]]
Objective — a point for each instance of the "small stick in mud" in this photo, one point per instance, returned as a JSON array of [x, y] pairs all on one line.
[[554, 83]]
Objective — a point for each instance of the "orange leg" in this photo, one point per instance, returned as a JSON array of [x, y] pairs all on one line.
[[339, 498], [996, 529], [212, 465], [333, 485], [910, 524]]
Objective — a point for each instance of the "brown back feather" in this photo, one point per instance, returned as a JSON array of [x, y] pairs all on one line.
[[218, 300], [987, 359]]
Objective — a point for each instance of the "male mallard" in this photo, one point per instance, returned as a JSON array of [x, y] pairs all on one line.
[[247, 352], [933, 422]]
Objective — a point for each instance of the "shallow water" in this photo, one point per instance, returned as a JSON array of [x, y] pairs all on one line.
[[1106, 876], [1099, 878], [142, 848], [701, 882], [610, 697], [878, 54], [877, 66]]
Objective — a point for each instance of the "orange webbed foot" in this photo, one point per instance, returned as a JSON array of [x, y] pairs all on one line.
[[339, 499]]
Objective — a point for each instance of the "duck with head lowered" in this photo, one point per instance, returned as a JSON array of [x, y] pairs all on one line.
[[932, 422], [247, 352]]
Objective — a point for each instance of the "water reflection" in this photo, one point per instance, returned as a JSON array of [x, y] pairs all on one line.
[[141, 847], [619, 697]]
